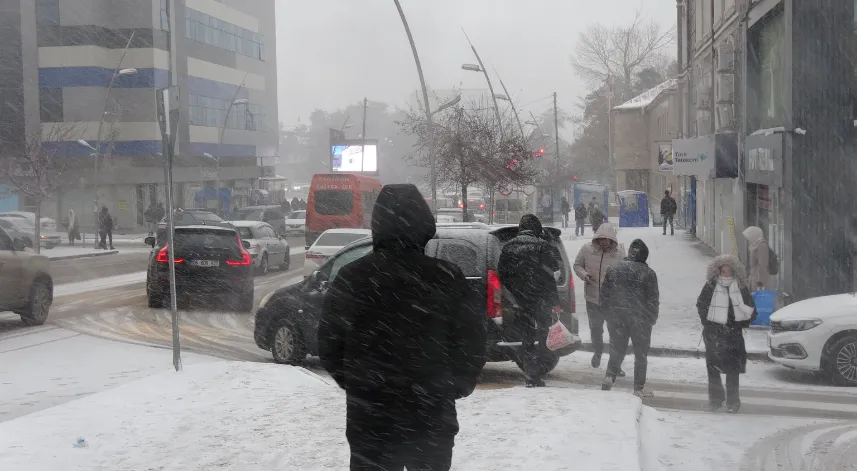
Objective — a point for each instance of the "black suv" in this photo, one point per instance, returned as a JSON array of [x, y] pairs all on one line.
[[287, 319], [210, 261]]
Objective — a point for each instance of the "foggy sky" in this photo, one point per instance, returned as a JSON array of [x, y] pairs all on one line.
[[332, 53]]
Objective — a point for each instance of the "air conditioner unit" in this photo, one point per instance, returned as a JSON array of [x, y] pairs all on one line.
[[726, 118], [725, 89], [703, 97], [725, 58]]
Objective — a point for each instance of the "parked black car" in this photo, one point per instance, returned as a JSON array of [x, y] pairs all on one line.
[[211, 261], [287, 319]]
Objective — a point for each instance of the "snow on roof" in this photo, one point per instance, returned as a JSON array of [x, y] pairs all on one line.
[[643, 100]]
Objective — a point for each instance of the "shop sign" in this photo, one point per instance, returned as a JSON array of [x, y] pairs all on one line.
[[665, 157], [694, 156], [242, 191], [763, 157]]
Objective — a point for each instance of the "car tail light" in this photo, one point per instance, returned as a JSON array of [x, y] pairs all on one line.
[[164, 256], [313, 255], [245, 257], [494, 295]]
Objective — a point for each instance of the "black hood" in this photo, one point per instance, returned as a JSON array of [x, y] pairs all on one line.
[[402, 219], [530, 222], [638, 251]]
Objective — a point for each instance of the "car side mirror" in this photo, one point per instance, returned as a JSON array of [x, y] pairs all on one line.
[[245, 244], [18, 244], [150, 241]]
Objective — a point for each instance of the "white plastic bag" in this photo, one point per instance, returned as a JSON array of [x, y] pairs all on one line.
[[559, 337]]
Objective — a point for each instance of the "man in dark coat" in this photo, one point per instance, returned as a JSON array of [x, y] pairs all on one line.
[[580, 214], [404, 335], [596, 217], [105, 228], [526, 269], [630, 291], [565, 208], [286, 207], [668, 210], [295, 204]]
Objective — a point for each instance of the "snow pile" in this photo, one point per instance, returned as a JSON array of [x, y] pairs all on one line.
[[67, 289], [231, 415]]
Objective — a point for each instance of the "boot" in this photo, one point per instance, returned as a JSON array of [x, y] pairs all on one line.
[[596, 360], [642, 392], [714, 406], [607, 383], [535, 383]]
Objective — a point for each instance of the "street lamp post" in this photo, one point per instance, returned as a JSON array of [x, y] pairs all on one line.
[[508, 98], [481, 68], [427, 107], [235, 101]]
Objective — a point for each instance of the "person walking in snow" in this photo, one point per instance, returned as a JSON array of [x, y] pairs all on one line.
[[105, 228], [631, 300], [668, 210], [407, 348], [73, 227], [591, 266], [526, 268], [725, 307], [565, 208], [580, 214], [596, 217], [760, 259]]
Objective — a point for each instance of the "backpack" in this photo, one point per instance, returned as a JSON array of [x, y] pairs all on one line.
[[773, 262]]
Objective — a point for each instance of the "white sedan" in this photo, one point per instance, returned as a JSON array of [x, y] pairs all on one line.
[[296, 223], [327, 244], [818, 334]]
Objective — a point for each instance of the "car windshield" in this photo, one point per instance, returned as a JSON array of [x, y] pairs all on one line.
[[248, 214], [334, 202], [205, 216], [338, 239]]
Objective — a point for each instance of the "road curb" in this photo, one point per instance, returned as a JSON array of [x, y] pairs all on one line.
[[683, 353], [85, 255]]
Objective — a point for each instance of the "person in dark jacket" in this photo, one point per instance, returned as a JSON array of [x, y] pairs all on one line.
[[286, 207], [631, 299], [565, 208], [295, 204], [596, 217], [105, 228], [403, 333], [526, 269], [580, 214], [668, 210], [725, 307]]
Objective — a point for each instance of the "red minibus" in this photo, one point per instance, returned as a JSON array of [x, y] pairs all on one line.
[[340, 200]]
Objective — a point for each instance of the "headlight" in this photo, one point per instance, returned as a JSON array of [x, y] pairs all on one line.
[[799, 325], [266, 299]]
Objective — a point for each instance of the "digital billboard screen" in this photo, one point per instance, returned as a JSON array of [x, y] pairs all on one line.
[[354, 157]]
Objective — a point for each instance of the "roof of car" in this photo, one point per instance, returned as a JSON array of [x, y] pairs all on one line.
[[203, 226], [248, 223], [260, 206], [348, 231]]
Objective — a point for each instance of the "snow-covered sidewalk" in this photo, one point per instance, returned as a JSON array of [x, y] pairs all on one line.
[[231, 415], [680, 265]]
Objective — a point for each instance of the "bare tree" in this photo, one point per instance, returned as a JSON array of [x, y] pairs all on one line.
[[37, 171], [469, 150], [621, 51]]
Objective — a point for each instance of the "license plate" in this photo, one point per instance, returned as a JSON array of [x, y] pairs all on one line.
[[205, 263]]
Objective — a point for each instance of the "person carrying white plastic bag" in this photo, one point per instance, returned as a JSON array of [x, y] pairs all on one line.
[[559, 337]]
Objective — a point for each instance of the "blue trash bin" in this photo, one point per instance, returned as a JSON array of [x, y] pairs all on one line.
[[765, 301]]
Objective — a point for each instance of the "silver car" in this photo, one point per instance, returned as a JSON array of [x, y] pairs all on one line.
[[20, 228], [265, 246]]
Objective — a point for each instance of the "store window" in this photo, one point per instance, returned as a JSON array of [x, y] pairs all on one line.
[[211, 112], [768, 68]]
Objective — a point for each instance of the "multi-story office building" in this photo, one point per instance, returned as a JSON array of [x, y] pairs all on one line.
[[58, 61]]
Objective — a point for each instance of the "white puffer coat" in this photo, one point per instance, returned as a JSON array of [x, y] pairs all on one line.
[[592, 260]]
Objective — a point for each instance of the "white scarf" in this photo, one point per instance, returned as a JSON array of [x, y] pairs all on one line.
[[718, 310]]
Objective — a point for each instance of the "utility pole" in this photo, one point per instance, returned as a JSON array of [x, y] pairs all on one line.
[[363, 136], [556, 143], [610, 130]]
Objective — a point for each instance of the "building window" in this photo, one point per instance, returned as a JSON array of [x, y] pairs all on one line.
[[211, 112], [218, 33], [165, 15], [48, 12], [51, 105]]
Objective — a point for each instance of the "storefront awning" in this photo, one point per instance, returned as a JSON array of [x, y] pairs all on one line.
[[706, 156]]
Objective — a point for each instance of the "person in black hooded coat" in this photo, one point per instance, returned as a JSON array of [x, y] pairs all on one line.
[[404, 335], [631, 297], [526, 269]]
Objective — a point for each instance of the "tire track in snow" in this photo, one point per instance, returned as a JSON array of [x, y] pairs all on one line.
[[817, 447]]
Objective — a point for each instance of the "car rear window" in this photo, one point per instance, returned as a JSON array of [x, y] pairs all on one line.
[[462, 254], [247, 215], [206, 216], [334, 202], [338, 239], [244, 232], [205, 239]]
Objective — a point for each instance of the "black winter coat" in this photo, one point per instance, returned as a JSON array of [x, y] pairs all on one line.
[[724, 343], [401, 332], [526, 269], [668, 205], [580, 213], [629, 293]]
